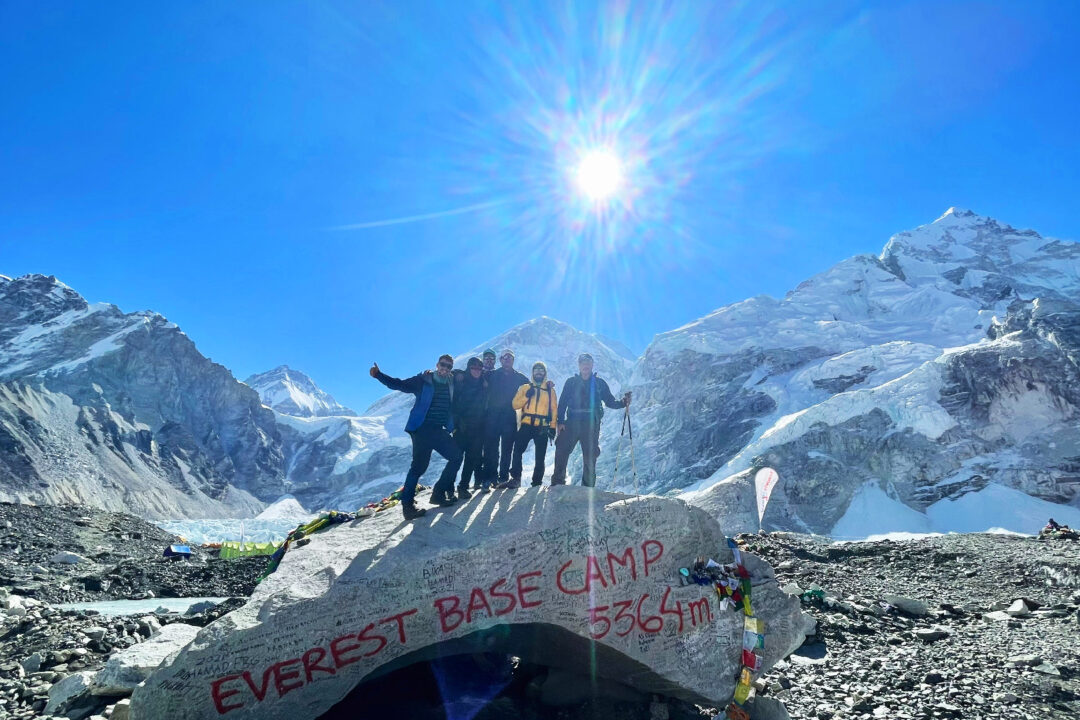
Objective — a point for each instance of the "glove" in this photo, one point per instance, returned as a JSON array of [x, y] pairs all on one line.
[[530, 392]]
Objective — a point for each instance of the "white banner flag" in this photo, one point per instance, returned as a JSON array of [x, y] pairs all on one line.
[[764, 482]]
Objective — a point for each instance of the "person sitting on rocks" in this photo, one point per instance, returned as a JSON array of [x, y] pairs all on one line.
[[1054, 529], [429, 425]]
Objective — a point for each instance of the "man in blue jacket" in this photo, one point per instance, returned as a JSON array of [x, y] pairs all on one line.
[[429, 425], [581, 406]]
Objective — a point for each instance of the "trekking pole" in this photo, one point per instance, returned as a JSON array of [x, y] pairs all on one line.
[[633, 464], [618, 449]]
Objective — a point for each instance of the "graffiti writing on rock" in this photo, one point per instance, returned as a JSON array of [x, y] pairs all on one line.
[[595, 591]]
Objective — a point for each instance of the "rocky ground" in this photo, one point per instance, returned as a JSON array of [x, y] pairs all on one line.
[[919, 629], [67, 553], [62, 554], [968, 650]]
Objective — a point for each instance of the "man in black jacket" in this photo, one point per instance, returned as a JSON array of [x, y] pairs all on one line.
[[470, 407], [430, 424], [501, 422], [580, 411]]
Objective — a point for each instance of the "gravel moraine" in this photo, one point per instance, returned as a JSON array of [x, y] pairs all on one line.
[[971, 651], [117, 557]]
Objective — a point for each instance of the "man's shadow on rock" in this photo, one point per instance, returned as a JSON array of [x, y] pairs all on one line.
[[440, 529]]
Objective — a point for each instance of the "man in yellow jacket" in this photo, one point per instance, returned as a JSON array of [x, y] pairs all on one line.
[[538, 406]]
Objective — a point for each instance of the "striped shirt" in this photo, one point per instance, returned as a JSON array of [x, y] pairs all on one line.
[[439, 412]]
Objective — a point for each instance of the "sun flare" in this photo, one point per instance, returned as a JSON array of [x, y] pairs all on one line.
[[599, 175]]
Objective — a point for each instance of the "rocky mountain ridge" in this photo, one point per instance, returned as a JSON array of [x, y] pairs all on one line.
[[121, 410]]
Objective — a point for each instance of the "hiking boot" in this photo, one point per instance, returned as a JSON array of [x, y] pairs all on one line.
[[442, 499], [555, 482], [537, 483], [463, 492], [412, 512], [508, 485]]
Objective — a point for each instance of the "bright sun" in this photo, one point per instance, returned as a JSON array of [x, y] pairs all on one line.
[[599, 175]]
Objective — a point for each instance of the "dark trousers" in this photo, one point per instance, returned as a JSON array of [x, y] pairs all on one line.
[[499, 431], [586, 433], [424, 440], [469, 435], [539, 436]]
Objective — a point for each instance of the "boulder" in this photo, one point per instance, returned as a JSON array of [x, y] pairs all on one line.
[[931, 634], [200, 607], [909, 605], [71, 696], [67, 558], [32, 663], [1019, 608], [571, 578], [121, 710], [129, 667]]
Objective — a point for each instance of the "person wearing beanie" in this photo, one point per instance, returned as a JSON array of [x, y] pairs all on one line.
[[470, 406], [429, 425], [538, 405], [501, 422], [580, 411]]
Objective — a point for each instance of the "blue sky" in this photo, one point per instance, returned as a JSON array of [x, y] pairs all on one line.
[[204, 159]]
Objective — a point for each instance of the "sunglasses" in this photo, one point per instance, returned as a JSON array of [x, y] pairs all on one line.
[[446, 366]]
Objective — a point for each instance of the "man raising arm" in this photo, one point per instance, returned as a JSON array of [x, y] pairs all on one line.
[[429, 425]]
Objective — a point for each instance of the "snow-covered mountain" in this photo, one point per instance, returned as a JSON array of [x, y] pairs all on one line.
[[936, 379], [291, 392], [944, 365], [121, 411]]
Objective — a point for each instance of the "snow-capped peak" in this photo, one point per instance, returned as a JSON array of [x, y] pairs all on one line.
[[286, 507], [291, 392], [980, 258], [954, 214]]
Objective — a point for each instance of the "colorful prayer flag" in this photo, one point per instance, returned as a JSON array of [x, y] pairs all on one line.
[[751, 660], [754, 625]]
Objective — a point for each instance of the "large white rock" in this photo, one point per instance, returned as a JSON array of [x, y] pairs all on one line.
[[561, 577], [69, 693], [129, 667], [65, 557]]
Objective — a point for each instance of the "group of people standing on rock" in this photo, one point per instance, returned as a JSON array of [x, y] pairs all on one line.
[[483, 418]]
